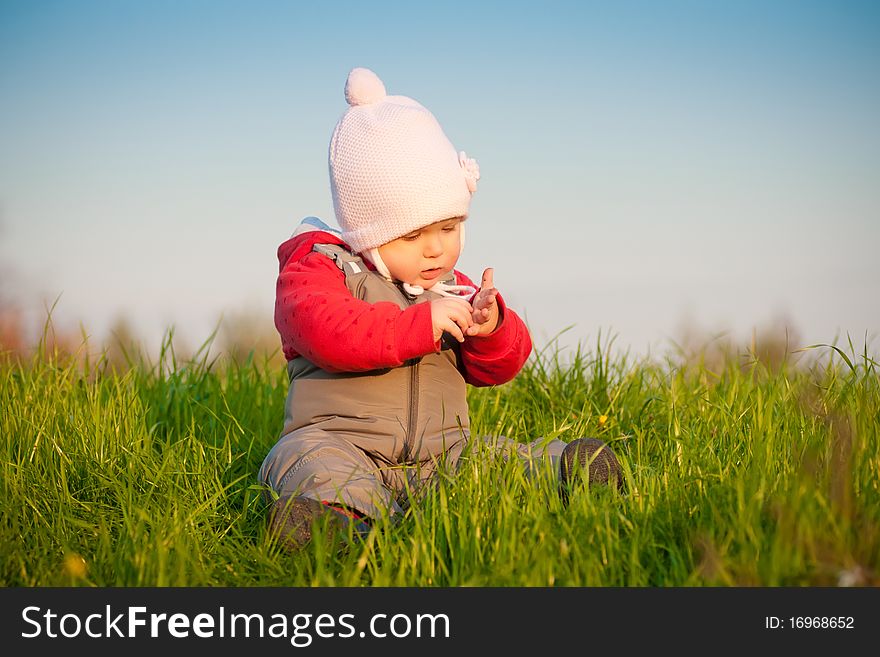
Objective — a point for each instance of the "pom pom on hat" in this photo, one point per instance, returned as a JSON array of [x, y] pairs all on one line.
[[363, 87]]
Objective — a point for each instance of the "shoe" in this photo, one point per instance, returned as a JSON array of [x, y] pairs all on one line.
[[292, 519], [592, 455]]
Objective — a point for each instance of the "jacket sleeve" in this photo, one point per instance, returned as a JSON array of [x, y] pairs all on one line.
[[319, 318], [498, 357]]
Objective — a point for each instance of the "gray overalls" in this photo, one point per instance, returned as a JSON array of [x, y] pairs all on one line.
[[365, 439]]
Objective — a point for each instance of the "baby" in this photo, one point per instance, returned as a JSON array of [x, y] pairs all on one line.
[[382, 333]]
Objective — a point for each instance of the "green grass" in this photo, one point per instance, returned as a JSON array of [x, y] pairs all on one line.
[[741, 475]]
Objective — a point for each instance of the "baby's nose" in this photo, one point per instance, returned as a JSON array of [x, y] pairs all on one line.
[[433, 246]]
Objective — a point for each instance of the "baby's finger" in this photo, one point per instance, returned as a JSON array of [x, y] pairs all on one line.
[[484, 298], [465, 322], [462, 316], [487, 278], [453, 330]]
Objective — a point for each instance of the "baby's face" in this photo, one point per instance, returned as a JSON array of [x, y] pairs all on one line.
[[423, 256]]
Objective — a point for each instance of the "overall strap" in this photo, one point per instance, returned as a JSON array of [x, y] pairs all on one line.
[[348, 262]]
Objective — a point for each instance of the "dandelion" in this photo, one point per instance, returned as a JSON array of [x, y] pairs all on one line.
[[75, 566], [602, 420]]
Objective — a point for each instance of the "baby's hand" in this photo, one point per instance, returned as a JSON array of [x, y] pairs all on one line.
[[451, 314], [485, 309]]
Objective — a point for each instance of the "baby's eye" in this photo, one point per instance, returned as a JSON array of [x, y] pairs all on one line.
[[410, 238], [449, 229]]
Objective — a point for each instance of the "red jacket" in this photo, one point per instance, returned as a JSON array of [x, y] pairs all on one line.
[[318, 318]]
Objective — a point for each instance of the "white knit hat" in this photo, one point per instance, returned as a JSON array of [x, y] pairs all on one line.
[[392, 170]]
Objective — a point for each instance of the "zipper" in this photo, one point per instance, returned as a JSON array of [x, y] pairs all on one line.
[[412, 424]]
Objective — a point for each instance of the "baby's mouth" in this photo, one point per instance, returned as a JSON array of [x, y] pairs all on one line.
[[430, 274]]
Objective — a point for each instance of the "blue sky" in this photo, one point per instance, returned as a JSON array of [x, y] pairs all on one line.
[[644, 164]]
